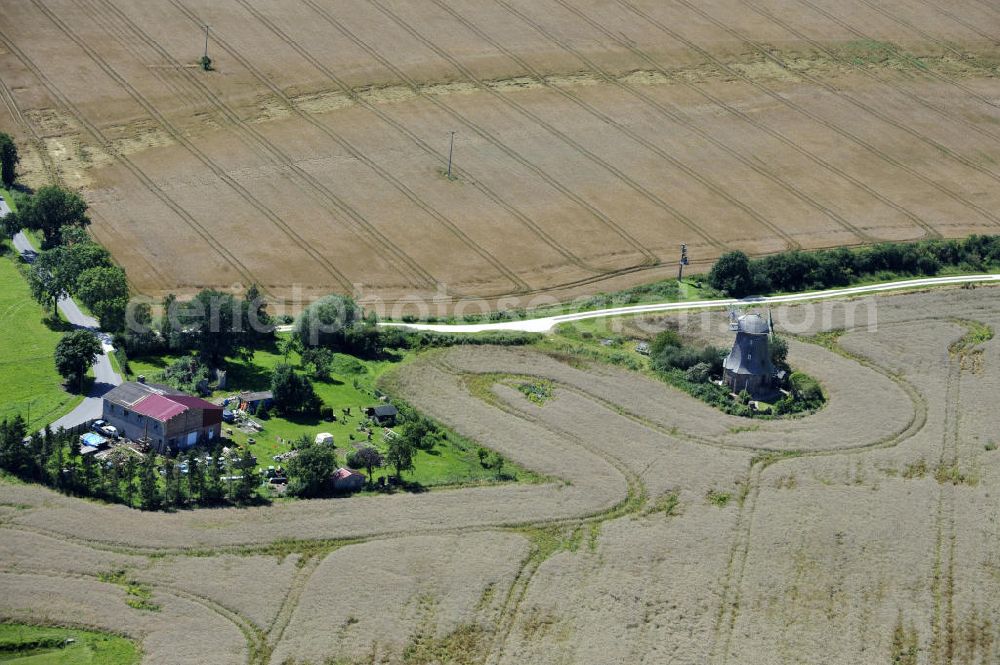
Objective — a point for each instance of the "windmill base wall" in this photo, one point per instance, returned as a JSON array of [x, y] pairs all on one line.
[[752, 383]]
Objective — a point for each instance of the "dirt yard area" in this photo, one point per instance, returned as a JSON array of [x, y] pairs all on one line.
[[664, 531], [592, 137]]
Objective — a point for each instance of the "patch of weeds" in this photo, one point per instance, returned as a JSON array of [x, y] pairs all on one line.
[[550, 540], [537, 623], [767, 458], [463, 646], [950, 473], [990, 446], [787, 482], [739, 429], [538, 392], [916, 469], [595, 534], [828, 338], [139, 596], [904, 644], [718, 499], [669, 504]]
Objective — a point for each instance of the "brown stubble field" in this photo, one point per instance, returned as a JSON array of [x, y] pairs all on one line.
[[593, 137], [863, 533]]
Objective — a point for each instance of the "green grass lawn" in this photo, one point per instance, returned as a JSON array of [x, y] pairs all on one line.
[[28, 378], [453, 462], [35, 645]]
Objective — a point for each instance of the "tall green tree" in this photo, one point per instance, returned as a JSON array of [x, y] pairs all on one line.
[[293, 393], [368, 458], [149, 489], [50, 210], [216, 324], [327, 321], [259, 325], [309, 472], [75, 353], [105, 291], [243, 490], [400, 454], [731, 274], [8, 160]]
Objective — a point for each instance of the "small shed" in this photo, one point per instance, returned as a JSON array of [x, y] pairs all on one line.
[[347, 480], [250, 401], [383, 414], [324, 438]]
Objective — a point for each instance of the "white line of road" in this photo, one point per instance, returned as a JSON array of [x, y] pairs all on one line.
[[547, 323]]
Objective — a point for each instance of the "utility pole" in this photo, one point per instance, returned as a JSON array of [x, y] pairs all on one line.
[[206, 40], [451, 152], [683, 262]]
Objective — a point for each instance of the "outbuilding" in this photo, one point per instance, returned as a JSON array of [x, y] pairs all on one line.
[[347, 480], [383, 414]]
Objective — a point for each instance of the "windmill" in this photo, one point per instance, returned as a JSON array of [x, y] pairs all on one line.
[[748, 366]]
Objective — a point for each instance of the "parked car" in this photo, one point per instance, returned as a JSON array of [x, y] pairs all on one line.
[[228, 416]]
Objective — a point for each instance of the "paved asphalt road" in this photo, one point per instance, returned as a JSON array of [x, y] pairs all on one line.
[[545, 324], [105, 377]]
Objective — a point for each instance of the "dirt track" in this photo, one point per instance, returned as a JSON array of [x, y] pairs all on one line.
[[593, 138]]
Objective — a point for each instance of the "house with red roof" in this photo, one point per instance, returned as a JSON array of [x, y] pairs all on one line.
[[167, 418]]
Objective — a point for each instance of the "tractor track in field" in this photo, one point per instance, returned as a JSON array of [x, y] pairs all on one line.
[[739, 551], [289, 604], [196, 152], [650, 258], [922, 33], [635, 186], [929, 231], [138, 173], [352, 94], [439, 217], [671, 114], [256, 141], [888, 83], [705, 181], [854, 138], [960, 20]]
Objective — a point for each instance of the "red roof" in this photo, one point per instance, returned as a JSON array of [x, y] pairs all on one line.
[[193, 402], [159, 407], [343, 474]]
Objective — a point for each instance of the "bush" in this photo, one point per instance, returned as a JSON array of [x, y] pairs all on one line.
[[699, 373], [326, 413], [806, 387], [738, 276]]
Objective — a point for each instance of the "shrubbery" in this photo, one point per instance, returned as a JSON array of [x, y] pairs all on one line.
[[738, 275]]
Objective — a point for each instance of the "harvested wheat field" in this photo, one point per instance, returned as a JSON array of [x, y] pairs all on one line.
[[663, 531], [592, 137]]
